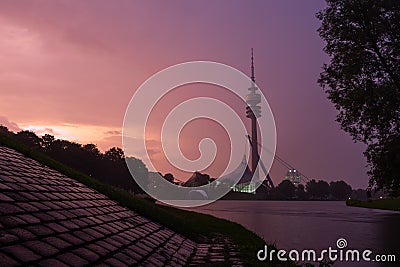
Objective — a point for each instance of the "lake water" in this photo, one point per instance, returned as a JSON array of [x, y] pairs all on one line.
[[315, 225]]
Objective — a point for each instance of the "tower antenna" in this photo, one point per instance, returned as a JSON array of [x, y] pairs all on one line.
[[253, 78]]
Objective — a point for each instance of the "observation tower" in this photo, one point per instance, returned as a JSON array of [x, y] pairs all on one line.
[[253, 111]]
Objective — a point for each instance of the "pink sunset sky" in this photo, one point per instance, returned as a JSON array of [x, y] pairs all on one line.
[[70, 68]]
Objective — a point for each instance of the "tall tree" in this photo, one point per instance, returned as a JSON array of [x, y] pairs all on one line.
[[362, 79]]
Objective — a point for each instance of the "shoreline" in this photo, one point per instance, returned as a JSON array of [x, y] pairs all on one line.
[[381, 204]]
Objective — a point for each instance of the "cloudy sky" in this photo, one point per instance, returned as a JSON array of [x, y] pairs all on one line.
[[70, 68]]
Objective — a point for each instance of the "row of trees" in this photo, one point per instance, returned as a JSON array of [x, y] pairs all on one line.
[[314, 190], [108, 167]]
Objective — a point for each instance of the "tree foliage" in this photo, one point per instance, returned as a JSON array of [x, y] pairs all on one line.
[[286, 189], [301, 192], [386, 167], [108, 167], [317, 190], [169, 177], [114, 154], [362, 79], [313, 190], [340, 190]]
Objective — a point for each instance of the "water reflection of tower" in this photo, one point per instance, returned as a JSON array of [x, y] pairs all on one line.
[[253, 111]]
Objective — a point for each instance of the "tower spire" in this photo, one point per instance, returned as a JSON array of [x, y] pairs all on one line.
[[253, 78], [253, 111]]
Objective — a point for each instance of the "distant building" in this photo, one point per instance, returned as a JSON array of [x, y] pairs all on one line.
[[245, 185], [294, 176], [197, 179]]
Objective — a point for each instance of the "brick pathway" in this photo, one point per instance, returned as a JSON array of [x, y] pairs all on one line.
[[48, 219]]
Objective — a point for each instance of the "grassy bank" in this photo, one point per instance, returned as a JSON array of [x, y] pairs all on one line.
[[198, 227], [383, 204]]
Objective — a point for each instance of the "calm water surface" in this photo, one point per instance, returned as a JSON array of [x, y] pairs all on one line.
[[315, 225]]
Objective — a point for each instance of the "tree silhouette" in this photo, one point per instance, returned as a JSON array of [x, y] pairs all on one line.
[[323, 189], [91, 149], [300, 192], [4, 130], [139, 169], [362, 79], [29, 138], [318, 190], [286, 189], [386, 167], [47, 141], [169, 177], [340, 190], [312, 188], [109, 167], [114, 154]]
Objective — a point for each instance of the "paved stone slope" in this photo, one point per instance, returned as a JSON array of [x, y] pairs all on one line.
[[48, 219]]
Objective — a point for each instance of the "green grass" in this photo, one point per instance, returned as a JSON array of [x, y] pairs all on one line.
[[196, 226], [383, 204]]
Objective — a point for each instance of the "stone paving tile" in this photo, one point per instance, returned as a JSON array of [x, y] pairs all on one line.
[[6, 260], [49, 219], [52, 263]]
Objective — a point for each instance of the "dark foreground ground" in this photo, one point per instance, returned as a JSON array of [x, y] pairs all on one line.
[[49, 219]]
